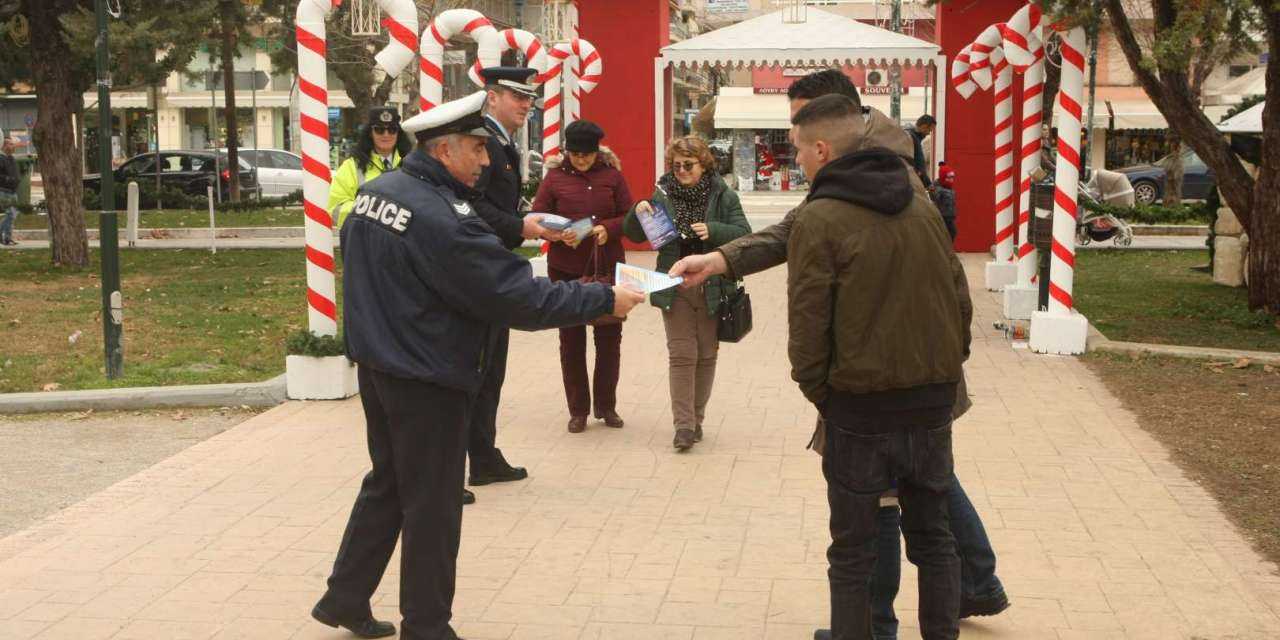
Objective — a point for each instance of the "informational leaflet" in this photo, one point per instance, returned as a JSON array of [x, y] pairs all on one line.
[[657, 225], [580, 227], [643, 280]]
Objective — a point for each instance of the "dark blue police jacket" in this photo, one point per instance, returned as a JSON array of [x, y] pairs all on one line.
[[425, 280]]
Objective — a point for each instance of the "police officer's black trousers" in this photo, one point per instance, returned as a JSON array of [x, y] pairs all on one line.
[[414, 492], [482, 437]]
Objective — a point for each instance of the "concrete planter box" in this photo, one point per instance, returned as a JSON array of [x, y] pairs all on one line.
[[328, 378]]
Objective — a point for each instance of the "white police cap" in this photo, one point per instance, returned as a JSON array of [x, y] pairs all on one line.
[[458, 116]]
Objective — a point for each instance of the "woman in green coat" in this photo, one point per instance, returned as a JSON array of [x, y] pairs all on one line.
[[706, 214]]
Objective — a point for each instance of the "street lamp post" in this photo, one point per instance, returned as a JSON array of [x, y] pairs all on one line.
[[109, 245]]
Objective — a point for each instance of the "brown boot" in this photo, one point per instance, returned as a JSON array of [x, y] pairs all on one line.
[[611, 419], [683, 440], [697, 433], [577, 424]]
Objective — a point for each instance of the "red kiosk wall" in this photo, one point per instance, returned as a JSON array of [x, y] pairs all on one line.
[[628, 36], [970, 123]]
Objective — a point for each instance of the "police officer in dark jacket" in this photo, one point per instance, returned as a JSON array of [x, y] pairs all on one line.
[[509, 96], [426, 284]]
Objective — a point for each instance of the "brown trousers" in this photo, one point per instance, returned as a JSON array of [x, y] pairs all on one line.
[[692, 346], [578, 390]]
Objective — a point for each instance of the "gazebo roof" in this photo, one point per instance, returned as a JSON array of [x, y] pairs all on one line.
[[1247, 121], [823, 38]]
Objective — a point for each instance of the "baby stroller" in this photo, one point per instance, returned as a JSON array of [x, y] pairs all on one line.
[[1108, 187]]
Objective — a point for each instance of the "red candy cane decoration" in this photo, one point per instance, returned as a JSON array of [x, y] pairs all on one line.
[[508, 39], [1067, 177], [552, 98], [988, 60], [961, 76], [402, 22], [1022, 44], [435, 38]]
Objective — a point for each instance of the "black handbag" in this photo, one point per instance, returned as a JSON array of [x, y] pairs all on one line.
[[734, 322]]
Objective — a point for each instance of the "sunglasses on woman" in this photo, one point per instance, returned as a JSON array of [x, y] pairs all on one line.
[[685, 166], [377, 128]]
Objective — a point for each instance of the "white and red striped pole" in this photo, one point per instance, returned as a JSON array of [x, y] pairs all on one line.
[[552, 100], [402, 22], [1060, 329], [1025, 51], [435, 38], [989, 68], [573, 69], [1067, 177]]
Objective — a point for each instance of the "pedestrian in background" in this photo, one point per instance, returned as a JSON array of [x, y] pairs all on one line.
[[8, 191]]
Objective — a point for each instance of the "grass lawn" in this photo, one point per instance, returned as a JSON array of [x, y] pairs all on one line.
[[1220, 425], [190, 318], [1156, 297], [171, 218]]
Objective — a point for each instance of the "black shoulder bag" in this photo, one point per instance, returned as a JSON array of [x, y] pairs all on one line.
[[735, 314]]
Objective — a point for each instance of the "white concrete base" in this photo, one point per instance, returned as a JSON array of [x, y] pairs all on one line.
[[1059, 334], [1001, 275], [539, 265], [1020, 302], [329, 378]]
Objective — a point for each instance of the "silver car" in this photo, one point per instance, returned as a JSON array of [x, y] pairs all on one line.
[[279, 172]]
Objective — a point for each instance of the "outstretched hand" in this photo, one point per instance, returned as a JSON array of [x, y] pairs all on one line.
[[696, 269]]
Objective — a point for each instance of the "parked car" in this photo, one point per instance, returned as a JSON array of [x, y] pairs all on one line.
[[279, 171], [1149, 179], [191, 172]]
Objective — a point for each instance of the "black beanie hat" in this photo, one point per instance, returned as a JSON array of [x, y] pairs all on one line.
[[583, 136]]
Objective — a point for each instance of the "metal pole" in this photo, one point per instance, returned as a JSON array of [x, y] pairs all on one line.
[[1093, 76], [257, 158], [109, 243], [895, 84]]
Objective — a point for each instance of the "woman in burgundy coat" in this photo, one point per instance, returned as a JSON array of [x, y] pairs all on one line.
[[589, 185]]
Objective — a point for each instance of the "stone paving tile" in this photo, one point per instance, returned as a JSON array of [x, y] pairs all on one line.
[[614, 537]]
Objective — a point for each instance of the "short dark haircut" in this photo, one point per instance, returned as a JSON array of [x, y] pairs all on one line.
[[822, 83], [925, 119], [830, 118]]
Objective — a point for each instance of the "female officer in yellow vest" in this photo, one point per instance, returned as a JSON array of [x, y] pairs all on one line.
[[379, 149]]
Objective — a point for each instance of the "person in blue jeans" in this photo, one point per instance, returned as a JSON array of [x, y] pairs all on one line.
[[8, 191], [981, 593]]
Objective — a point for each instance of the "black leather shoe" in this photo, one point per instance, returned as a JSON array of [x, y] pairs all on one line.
[[985, 606], [611, 419], [364, 628], [822, 634], [468, 497], [495, 470]]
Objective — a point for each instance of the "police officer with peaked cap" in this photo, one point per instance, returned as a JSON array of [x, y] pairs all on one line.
[[426, 283], [510, 94]]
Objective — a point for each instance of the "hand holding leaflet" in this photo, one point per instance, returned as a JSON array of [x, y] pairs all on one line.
[[655, 222], [643, 280]]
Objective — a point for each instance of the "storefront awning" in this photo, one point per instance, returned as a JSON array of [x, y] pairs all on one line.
[[739, 108], [1138, 114]]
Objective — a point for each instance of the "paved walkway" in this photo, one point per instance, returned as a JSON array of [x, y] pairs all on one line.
[[615, 537]]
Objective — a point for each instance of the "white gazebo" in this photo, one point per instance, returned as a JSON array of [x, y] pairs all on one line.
[[1247, 121], [797, 36]]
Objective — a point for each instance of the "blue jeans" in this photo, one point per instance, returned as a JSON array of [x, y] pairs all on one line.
[[6, 226], [977, 560]]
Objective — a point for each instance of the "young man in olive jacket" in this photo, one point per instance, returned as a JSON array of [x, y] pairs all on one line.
[[982, 592], [867, 257]]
